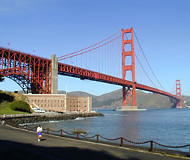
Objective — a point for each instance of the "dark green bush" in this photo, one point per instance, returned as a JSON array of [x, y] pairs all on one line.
[[20, 106], [5, 97]]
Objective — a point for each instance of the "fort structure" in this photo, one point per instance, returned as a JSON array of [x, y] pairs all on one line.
[[60, 103]]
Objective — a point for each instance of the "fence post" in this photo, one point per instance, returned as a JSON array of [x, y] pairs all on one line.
[[121, 141], [97, 138], [47, 130], [151, 145], [61, 133], [77, 135]]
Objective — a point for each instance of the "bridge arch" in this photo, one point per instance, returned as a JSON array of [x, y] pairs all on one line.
[[31, 73], [22, 81]]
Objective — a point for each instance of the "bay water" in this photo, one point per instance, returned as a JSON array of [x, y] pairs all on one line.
[[166, 126]]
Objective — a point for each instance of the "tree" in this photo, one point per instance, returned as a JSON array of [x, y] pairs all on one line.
[[1, 78]]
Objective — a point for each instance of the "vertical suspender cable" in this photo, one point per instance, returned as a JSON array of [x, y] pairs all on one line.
[[147, 61]]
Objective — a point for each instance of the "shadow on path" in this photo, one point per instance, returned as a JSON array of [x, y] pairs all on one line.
[[15, 150], [43, 139]]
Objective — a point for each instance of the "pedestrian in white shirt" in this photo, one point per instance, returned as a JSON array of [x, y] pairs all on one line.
[[39, 132]]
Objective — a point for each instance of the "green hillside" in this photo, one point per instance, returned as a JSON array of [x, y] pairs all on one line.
[[7, 99], [114, 100]]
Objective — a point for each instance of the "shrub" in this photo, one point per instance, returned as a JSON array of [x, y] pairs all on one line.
[[80, 131], [5, 97], [20, 106]]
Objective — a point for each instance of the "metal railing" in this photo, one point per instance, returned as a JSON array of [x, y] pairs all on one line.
[[97, 137]]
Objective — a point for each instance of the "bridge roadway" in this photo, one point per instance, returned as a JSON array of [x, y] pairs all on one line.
[[68, 70], [20, 144]]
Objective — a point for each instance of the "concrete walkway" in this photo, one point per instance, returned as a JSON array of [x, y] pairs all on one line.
[[20, 144]]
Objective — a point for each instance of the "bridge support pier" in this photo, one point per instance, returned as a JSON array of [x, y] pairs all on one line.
[[129, 97], [128, 108], [54, 75]]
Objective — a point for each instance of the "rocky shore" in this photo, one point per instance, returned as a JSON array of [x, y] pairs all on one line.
[[49, 117]]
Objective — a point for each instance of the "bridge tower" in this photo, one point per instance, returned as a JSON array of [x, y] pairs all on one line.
[[54, 74], [128, 65], [178, 93]]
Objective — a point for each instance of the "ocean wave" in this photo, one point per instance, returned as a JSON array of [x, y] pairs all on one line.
[[79, 118], [23, 124]]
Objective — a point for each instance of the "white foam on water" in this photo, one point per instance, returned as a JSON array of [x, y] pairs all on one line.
[[79, 118]]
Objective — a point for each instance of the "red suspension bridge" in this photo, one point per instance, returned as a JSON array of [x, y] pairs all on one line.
[[99, 62]]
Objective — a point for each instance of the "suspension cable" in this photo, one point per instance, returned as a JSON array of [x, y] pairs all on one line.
[[148, 62], [90, 49], [145, 71], [143, 67], [60, 58]]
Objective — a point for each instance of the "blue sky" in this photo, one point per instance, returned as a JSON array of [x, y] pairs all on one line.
[[63, 26]]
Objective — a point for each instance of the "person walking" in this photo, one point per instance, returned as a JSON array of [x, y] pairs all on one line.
[[39, 132], [3, 119]]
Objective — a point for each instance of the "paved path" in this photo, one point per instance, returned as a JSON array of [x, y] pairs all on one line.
[[19, 144]]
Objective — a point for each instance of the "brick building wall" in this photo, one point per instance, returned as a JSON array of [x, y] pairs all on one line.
[[60, 102]]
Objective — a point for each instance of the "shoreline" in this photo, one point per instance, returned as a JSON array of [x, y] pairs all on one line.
[[16, 120]]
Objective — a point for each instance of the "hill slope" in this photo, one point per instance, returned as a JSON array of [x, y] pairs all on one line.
[[114, 100]]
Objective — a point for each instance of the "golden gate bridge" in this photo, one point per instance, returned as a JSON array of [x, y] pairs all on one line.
[[100, 62]]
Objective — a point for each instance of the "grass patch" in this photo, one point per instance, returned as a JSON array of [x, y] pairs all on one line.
[[5, 109]]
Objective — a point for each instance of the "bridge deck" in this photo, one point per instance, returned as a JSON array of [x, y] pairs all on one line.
[[68, 70]]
